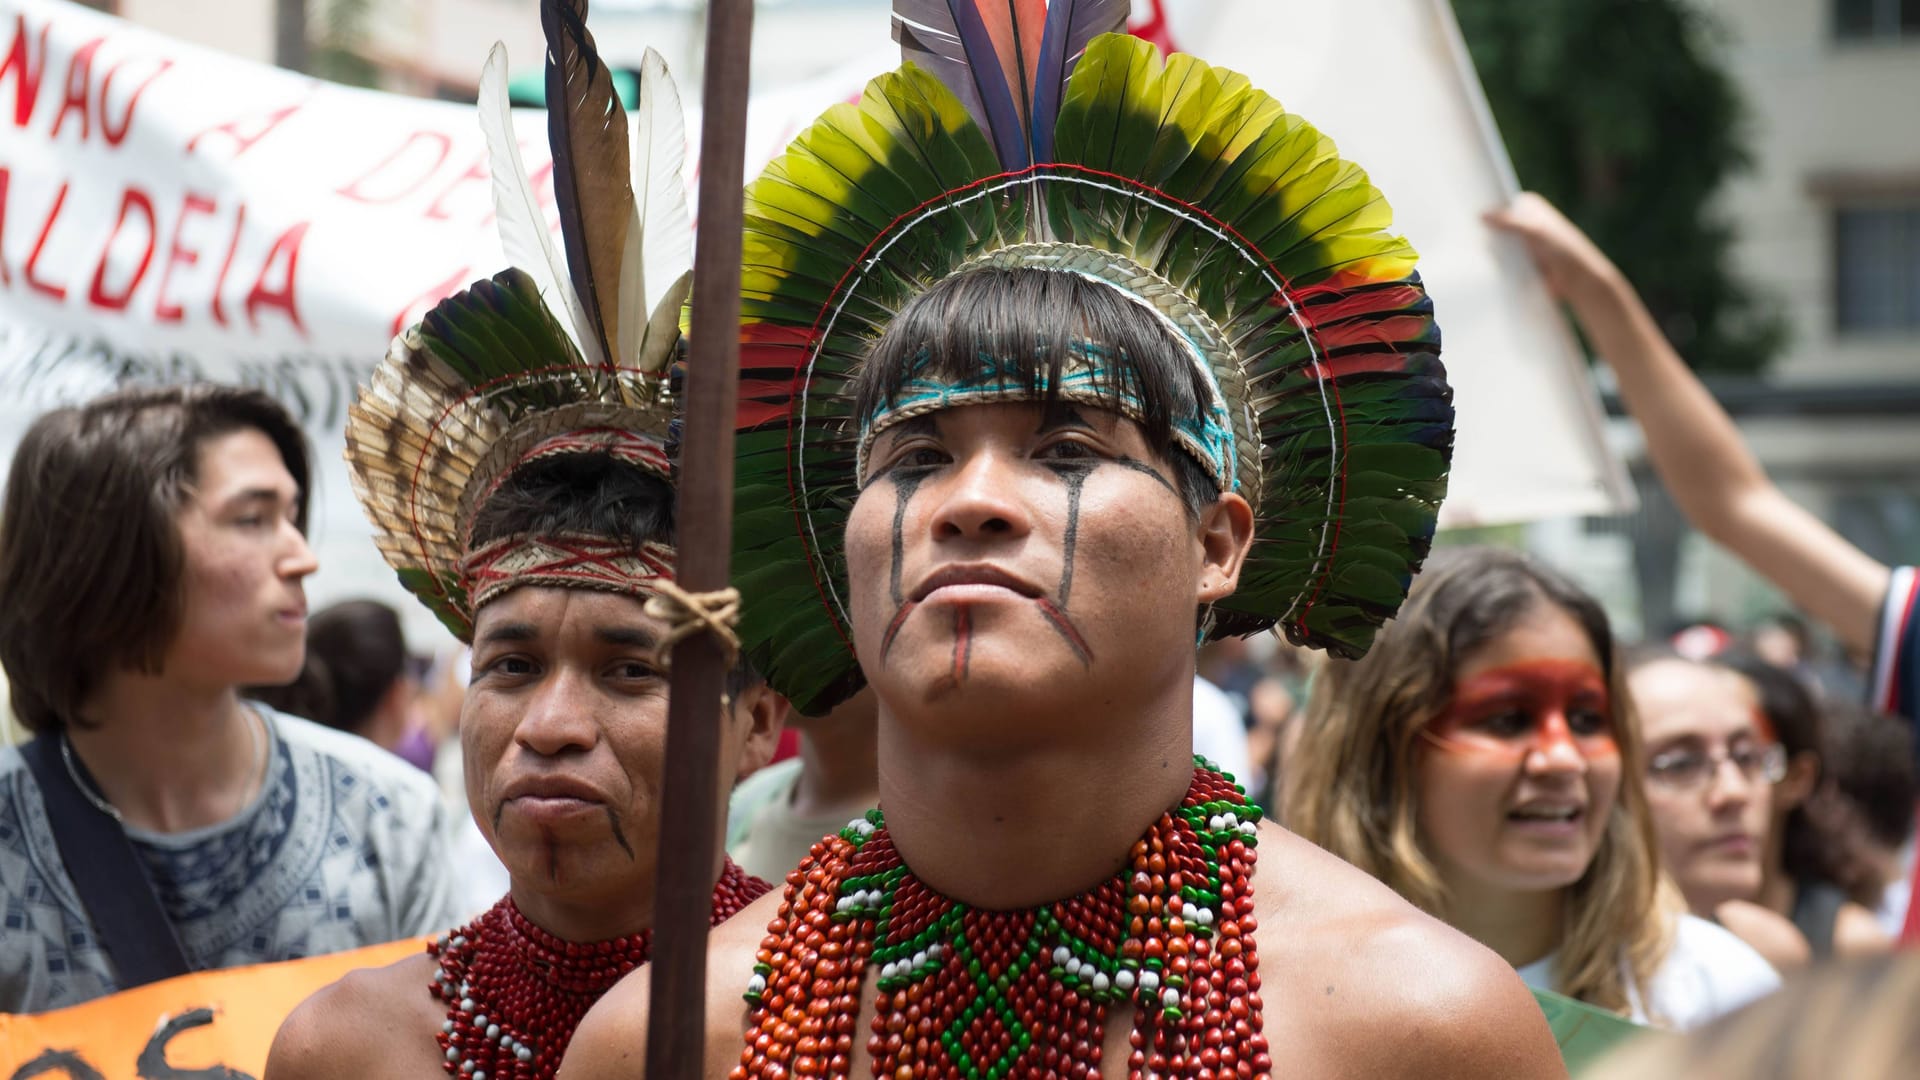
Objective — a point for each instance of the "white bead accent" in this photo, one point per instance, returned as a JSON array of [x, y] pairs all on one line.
[[1169, 997], [1100, 981], [1149, 980], [1123, 979], [1062, 954], [757, 984]]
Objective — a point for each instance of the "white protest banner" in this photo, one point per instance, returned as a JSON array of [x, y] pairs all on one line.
[[169, 212]]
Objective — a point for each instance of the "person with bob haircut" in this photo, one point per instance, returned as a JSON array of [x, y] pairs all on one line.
[[152, 555], [1484, 761]]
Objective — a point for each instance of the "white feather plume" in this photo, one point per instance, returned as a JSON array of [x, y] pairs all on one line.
[[524, 234], [659, 191]]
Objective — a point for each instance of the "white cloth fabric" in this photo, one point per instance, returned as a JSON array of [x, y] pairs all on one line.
[[1892, 912], [1708, 973], [1219, 733], [346, 845]]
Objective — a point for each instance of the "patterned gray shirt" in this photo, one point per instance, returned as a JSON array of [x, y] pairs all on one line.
[[345, 846]]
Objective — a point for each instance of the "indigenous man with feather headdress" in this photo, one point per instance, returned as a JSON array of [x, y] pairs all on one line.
[[519, 479], [1057, 359]]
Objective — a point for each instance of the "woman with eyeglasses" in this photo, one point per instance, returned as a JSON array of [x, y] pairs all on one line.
[[1484, 761], [1732, 766]]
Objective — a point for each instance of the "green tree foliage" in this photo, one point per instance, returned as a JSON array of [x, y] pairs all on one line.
[[1619, 112]]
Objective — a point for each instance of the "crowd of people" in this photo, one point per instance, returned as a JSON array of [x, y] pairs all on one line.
[[1048, 811]]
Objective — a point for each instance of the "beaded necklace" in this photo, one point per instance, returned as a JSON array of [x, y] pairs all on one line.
[[982, 995], [515, 993]]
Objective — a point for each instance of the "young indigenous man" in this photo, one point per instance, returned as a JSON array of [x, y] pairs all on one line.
[[1043, 466], [152, 555], [523, 492]]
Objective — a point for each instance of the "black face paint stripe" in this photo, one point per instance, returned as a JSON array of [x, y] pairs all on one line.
[[1074, 474], [619, 834], [904, 485], [1143, 467]]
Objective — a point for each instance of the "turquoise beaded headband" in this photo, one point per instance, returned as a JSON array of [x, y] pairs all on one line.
[[1086, 374]]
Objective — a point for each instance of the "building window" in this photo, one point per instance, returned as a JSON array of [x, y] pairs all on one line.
[[1869, 20], [1877, 268]]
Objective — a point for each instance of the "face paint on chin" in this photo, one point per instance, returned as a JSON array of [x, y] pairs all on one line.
[[619, 834], [1074, 475], [1511, 712], [1063, 626]]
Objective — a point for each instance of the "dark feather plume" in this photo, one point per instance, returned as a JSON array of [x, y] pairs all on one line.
[[1006, 60], [591, 179], [1069, 27]]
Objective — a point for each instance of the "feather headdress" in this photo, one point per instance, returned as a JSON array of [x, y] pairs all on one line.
[[567, 351], [1025, 133]]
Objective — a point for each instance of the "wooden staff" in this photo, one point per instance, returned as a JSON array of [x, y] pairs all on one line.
[[690, 817]]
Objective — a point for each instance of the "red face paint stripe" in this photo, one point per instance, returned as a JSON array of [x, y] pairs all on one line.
[[962, 643], [893, 628], [1065, 628]]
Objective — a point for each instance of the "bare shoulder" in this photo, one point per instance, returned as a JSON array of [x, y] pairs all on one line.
[[326, 1035], [612, 1040], [1358, 982], [1771, 934], [1857, 933]]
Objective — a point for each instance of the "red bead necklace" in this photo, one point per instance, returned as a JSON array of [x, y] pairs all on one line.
[[983, 995], [515, 993]]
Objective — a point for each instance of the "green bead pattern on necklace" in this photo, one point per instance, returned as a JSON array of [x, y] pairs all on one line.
[[977, 994]]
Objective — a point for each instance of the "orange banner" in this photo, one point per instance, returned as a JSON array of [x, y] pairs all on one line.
[[210, 1024]]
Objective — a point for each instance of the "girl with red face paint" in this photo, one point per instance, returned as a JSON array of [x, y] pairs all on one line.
[[1483, 760]]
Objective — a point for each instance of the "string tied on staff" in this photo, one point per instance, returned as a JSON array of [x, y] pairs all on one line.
[[688, 613]]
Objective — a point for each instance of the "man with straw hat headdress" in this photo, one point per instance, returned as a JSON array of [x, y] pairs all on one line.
[[517, 467], [1058, 358]]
